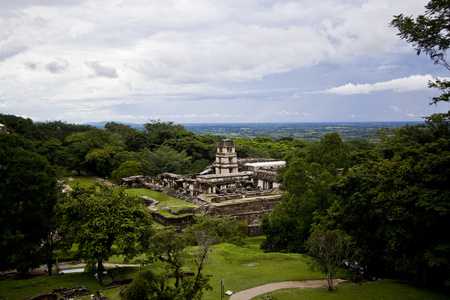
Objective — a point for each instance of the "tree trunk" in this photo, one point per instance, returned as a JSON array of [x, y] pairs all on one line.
[[50, 267], [330, 282], [100, 268]]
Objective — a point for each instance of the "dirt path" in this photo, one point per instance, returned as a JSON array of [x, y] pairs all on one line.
[[267, 288]]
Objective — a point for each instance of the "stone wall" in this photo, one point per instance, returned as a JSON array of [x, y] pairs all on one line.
[[250, 206], [174, 221], [250, 212], [242, 195]]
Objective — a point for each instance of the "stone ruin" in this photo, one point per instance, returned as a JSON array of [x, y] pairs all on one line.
[[227, 178], [251, 180], [66, 293]]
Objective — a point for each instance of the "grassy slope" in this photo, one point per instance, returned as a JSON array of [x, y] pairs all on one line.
[[241, 268], [12, 289], [164, 200], [382, 289]]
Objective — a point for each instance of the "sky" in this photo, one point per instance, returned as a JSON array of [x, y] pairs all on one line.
[[212, 61]]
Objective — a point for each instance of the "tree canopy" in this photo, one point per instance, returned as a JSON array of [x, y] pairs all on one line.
[[393, 200], [98, 217], [28, 193], [429, 33]]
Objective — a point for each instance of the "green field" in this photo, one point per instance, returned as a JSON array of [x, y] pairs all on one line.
[[164, 200], [241, 268], [376, 290], [72, 181]]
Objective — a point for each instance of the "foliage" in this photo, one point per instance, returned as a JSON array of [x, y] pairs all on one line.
[[306, 177], [126, 169], [97, 217], [220, 230], [393, 198], [163, 159], [396, 205], [92, 150], [28, 193], [263, 146], [168, 246], [429, 33], [330, 249], [147, 286]]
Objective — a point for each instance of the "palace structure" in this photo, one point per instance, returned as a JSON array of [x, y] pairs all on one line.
[[249, 182], [228, 175]]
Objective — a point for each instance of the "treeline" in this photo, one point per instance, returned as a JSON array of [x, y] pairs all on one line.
[[119, 151], [392, 199]]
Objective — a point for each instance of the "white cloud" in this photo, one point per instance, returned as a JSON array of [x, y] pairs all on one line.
[[79, 57], [406, 84], [287, 113], [394, 108]]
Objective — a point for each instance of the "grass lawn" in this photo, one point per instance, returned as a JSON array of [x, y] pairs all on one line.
[[244, 268], [72, 181], [164, 200], [12, 289], [385, 289], [241, 268]]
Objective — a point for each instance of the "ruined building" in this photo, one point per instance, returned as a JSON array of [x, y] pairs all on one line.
[[249, 182], [3, 129], [227, 175]]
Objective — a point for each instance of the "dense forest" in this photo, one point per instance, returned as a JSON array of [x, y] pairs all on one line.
[[391, 196]]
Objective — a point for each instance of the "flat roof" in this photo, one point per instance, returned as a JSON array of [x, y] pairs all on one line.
[[267, 164]]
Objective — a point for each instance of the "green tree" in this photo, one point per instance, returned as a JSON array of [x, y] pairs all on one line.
[[98, 217], [101, 159], [126, 169], [92, 150], [53, 240], [28, 193], [122, 129], [167, 245], [148, 286], [220, 230], [193, 289], [396, 204], [159, 132], [329, 250], [307, 178], [164, 159], [429, 33]]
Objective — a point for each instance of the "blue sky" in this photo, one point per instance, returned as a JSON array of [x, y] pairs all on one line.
[[202, 61]]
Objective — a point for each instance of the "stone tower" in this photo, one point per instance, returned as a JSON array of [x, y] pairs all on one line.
[[226, 158], [3, 129]]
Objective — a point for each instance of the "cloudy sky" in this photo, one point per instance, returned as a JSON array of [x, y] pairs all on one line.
[[201, 61]]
